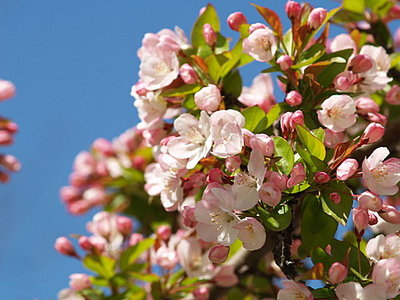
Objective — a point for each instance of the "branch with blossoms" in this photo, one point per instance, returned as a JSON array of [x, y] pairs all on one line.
[[232, 194]]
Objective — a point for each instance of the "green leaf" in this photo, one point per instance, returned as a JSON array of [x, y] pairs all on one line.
[[174, 278], [235, 54], [339, 211], [317, 228], [354, 6], [345, 54], [319, 255], [234, 248], [324, 293], [319, 133], [285, 151], [253, 116], [273, 114], [232, 84], [102, 265], [182, 90], [215, 63], [130, 255], [310, 56], [278, 219], [189, 103], [314, 146], [271, 69], [209, 16], [328, 74], [380, 7], [144, 277]]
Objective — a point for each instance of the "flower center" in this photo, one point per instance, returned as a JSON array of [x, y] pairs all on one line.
[[246, 179], [219, 218], [380, 173], [194, 136]]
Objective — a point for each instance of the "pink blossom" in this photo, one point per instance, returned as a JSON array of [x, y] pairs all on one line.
[[294, 291], [69, 194], [294, 98], [256, 26], [333, 138], [377, 118], [64, 246], [341, 42], [166, 257], [397, 38], [322, 177], [370, 201], [382, 247], [232, 163], [84, 163], [285, 62], [337, 273], [360, 63], [95, 195], [354, 290], [293, 9], [7, 90], [202, 293], [387, 274], [251, 233], [218, 254], [164, 232], [135, 239], [194, 142], [236, 19], [270, 193], [338, 113], [393, 96], [226, 276], [390, 214], [151, 109], [297, 175], [10, 162], [346, 169], [380, 176], [208, 98], [84, 243], [260, 93], [366, 105], [69, 294], [226, 130], [188, 217], [188, 74], [124, 225], [344, 81], [279, 180], [209, 34], [263, 143], [360, 218], [316, 17], [79, 282], [103, 147], [261, 44], [192, 260]]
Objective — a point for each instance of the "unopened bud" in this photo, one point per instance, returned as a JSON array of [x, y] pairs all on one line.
[[209, 34], [346, 169], [337, 273], [372, 219], [202, 293], [218, 254], [256, 26], [232, 163], [164, 232], [373, 133], [64, 246], [294, 98], [7, 90], [293, 9], [103, 146], [285, 62], [85, 244], [135, 239], [360, 218], [188, 217], [124, 225], [321, 177], [236, 19], [335, 197], [368, 200], [188, 74], [79, 282], [360, 63], [366, 105], [316, 17]]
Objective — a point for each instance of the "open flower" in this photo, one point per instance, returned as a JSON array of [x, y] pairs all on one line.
[[381, 177], [261, 93], [261, 44], [354, 290], [382, 247], [294, 291], [338, 112], [194, 141], [251, 233], [387, 273]]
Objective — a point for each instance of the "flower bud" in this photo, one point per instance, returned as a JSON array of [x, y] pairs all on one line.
[[209, 34], [263, 143], [393, 96], [64, 246], [215, 175], [293, 9], [360, 218], [69, 194], [202, 293], [390, 214], [366, 105], [270, 193], [297, 118], [232, 163], [79, 207], [322, 177], [360, 63], [255, 26], [346, 169], [235, 20], [373, 133], [297, 175], [335, 197], [226, 276], [98, 242], [279, 180], [377, 118], [135, 239], [84, 243], [79, 282], [218, 254], [188, 217], [397, 39], [103, 146], [342, 83], [208, 98], [6, 137], [337, 273], [95, 196], [164, 232], [316, 17], [285, 62], [373, 219], [7, 90], [368, 200], [10, 162], [140, 89], [188, 74], [124, 225], [11, 127], [294, 98], [286, 119]]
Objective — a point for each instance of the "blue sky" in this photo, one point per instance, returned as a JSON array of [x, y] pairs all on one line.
[[73, 63]]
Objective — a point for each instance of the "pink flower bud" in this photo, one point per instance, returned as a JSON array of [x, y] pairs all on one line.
[[346, 169], [236, 19], [10, 162], [218, 254], [209, 34], [98, 242], [294, 98], [342, 82], [373, 133], [202, 10], [6, 137], [103, 146], [377, 118], [77, 179], [397, 39], [135, 239], [256, 26], [285, 62], [64, 246], [337, 273], [333, 138], [95, 196], [270, 194], [316, 17], [360, 63], [293, 9], [124, 225], [360, 218], [188, 74], [232, 163], [366, 105], [79, 282], [390, 214], [4, 177], [208, 98], [373, 219], [215, 175], [164, 232], [7, 90], [140, 88], [69, 194], [286, 122], [188, 217], [393, 96], [394, 12], [322, 177], [79, 207], [263, 143], [279, 180], [297, 175], [12, 127], [84, 163], [297, 118], [202, 293], [335, 197], [84, 243], [226, 276], [368, 200]]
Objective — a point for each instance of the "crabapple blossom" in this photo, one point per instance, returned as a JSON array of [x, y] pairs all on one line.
[[341, 42], [263, 143], [360, 218], [64, 246], [261, 44], [251, 233], [236, 19], [390, 214], [285, 62], [226, 276], [188, 74], [209, 34], [293, 291], [366, 105], [360, 63], [69, 294], [232, 163], [316, 17], [124, 225], [202, 293], [270, 194], [337, 273], [382, 247], [380, 176], [151, 108], [79, 282], [279, 180], [335, 197], [259, 93], [338, 113], [256, 26], [393, 96], [354, 290], [346, 169], [208, 98], [294, 98], [293, 9], [7, 90], [164, 232], [297, 175], [368, 200], [194, 141], [322, 177], [387, 274], [218, 254]]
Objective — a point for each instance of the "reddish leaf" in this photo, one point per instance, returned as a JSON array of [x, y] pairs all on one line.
[[272, 18], [200, 63]]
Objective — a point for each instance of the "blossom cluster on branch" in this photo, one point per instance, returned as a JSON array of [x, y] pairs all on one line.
[[215, 171]]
